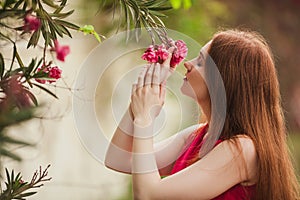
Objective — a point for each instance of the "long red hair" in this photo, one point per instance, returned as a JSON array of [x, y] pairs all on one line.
[[253, 108]]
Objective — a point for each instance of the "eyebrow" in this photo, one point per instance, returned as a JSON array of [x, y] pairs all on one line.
[[201, 54]]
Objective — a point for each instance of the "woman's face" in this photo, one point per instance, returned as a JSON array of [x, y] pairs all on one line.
[[194, 84]]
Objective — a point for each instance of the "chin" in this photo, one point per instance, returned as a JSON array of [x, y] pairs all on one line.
[[187, 90]]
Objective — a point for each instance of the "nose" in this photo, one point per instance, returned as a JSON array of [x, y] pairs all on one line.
[[188, 66]]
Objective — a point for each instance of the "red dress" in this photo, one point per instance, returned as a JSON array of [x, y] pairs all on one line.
[[237, 192]]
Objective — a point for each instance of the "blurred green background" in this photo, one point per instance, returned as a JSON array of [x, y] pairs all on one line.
[[277, 20], [76, 174]]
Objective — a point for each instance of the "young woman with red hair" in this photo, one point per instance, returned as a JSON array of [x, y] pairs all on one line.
[[239, 153]]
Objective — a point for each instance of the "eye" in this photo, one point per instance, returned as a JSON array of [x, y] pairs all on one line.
[[199, 62]]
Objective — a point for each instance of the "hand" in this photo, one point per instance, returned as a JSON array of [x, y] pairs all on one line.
[[148, 95], [166, 70]]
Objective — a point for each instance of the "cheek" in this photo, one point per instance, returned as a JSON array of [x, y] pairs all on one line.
[[200, 88]]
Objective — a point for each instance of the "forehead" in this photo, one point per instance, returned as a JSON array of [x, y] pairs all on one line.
[[205, 47]]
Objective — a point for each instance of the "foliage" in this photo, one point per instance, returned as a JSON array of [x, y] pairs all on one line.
[[41, 23], [176, 4], [27, 20], [137, 14], [16, 188]]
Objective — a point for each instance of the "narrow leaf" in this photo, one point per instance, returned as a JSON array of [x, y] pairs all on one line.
[[26, 194], [1, 66], [50, 3], [7, 175], [45, 89], [67, 24], [34, 38]]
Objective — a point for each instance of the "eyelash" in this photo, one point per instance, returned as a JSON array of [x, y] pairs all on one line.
[[199, 63]]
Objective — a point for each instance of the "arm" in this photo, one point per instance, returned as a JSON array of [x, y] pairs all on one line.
[[119, 154]]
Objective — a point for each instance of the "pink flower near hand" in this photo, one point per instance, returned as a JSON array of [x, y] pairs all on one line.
[[179, 53], [32, 23], [158, 54], [162, 53], [150, 55], [61, 50]]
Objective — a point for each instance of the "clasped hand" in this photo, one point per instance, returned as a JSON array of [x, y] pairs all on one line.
[[148, 94]]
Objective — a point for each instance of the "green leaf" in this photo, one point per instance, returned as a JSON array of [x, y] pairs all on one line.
[[30, 67], [7, 175], [34, 38], [2, 68], [50, 3], [54, 28], [11, 13], [62, 5], [187, 4], [61, 15], [66, 31], [89, 29], [26, 194], [67, 24], [7, 3], [176, 4], [18, 4], [45, 89]]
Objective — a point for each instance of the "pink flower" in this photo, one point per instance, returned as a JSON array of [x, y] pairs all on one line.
[[32, 23], [42, 81], [158, 54], [55, 73], [150, 55], [61, 50], [52, 74], [162, 53], [179, 53]]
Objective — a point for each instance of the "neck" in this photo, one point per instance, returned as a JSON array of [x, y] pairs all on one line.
[[206, 109]]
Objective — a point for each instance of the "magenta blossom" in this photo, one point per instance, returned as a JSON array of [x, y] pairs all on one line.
[[179, 53], [150, 55], [61, 50], [159, 53], [31, 23], [52, 74], [162, 53]]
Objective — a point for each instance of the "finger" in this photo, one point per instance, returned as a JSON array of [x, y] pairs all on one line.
[[141, 78], [149, 74], [133, 88], [163, 92], [156, 78], [156, 74], [167, 61], [165, 69]]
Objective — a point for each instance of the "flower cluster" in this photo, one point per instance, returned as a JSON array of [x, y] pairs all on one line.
[[159, 53], [51, 74], [61, 50], [31, 23]]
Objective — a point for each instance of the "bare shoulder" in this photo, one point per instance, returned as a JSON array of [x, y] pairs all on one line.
[[247, 146], [246, 152]]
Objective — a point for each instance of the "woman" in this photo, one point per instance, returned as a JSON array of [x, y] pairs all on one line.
[[247, 158]]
